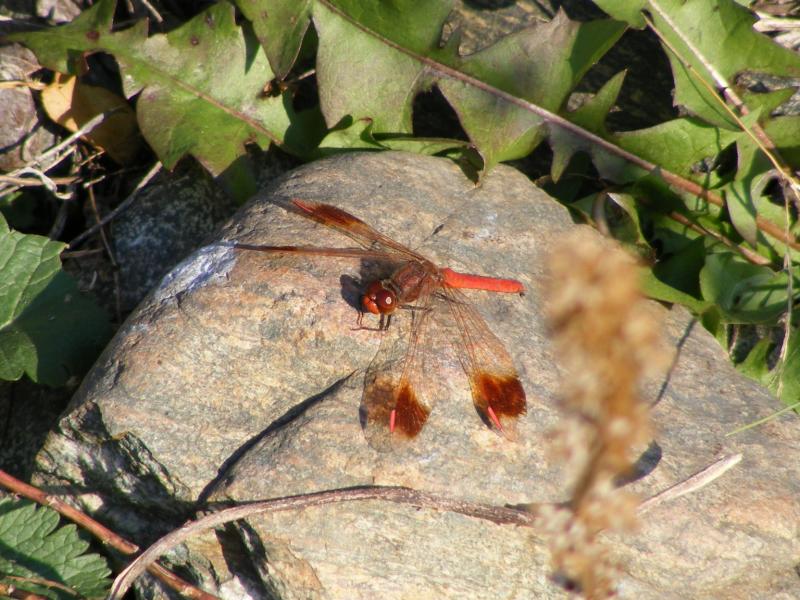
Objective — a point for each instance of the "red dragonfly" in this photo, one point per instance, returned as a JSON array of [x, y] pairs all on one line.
[[394, 386]]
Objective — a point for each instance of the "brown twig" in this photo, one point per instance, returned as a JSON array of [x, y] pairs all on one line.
[[748, 254], [525, 515], [9, 591], [119, 209], [103, 533]]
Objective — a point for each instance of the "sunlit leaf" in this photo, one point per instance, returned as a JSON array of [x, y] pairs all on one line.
[[39, 556]]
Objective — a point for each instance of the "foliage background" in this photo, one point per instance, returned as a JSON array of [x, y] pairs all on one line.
[[622, 119]]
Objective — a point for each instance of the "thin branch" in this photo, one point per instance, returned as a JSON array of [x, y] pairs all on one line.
[[53, 156], [119, 209], [152, 10], [748, 254], [401, 495], [26, 182], [521, 515], [101, 532], [72, 139]]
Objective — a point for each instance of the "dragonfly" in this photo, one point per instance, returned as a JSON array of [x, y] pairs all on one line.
[[394, 395]]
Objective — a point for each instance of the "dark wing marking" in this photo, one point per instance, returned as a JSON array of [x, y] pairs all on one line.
[[496, 389]]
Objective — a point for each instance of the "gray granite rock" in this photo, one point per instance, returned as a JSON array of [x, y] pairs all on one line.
[[170, 217], [22, 134], [239, 378]]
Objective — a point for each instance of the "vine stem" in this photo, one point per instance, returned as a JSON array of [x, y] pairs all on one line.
[[103, 533]]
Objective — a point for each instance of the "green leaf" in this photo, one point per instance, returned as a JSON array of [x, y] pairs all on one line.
[[280, 26], [391, 48], [629, 11], [654, 288], [48, 330], [591, 116], [785, 134], [744, 292], [200, 86], [742, 195], [33, 547], [564, 50], [677, 145], [767, 102], [369, 62], [786, 377], [755, 365], [783, 379], [722, 32]]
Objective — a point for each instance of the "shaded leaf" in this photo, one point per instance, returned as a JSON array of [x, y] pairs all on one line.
[[681, 267], [591, 116], [392, 49], [280, 26], [349, 136], [654, 288], [48, 330], [744, 292], [755, 365]]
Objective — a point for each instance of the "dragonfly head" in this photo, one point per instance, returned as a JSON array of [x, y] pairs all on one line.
[[378, 300]]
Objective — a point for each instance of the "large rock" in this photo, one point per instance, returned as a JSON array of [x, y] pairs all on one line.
[[239, 378]]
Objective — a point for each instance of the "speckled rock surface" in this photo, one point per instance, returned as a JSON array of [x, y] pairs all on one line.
[[170, 218], [240, 378]]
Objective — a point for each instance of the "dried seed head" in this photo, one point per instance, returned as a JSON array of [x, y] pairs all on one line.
[[607, 339]]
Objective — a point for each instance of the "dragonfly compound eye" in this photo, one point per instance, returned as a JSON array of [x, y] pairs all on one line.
[[386, 301]]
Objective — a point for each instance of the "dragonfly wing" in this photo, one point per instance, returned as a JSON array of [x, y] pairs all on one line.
[[395, 404], [497, 392], [354, 228]]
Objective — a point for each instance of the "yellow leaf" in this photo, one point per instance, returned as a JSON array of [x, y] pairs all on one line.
[[72, 104]]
